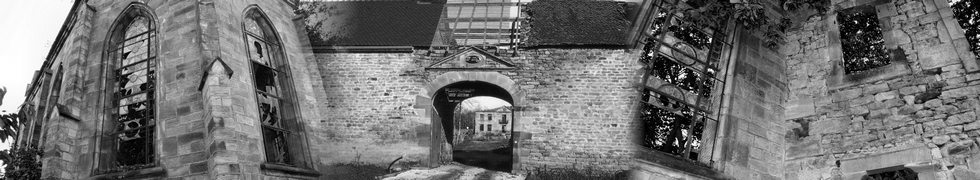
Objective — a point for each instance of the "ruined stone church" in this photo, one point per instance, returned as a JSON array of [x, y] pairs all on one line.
[[287, 89]]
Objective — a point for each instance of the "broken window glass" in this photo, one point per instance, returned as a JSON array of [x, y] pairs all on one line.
[[276, 112], [269, 110], [675, 132], [138, 26], [258, 51], [684, 77], [265, 79], [275, 145], [251, 26], [861, 40], [968, 16], [679, 97], [134, 79], [134, 147]]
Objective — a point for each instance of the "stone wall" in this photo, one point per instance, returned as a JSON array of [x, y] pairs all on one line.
[[579, 107], [233, 138], [205, 127], [576, 107], [178, 101], [753, 136], [925, 113], [367, 103]]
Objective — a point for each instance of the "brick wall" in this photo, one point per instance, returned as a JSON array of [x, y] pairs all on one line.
[[924, 114]]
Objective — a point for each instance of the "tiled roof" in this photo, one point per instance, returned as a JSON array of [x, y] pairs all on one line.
[[577, 22], [375, 23]]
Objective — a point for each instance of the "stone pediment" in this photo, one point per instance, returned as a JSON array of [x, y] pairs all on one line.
[[472, 58]]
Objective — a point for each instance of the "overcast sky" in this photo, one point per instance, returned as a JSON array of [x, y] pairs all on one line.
[[27, 29]]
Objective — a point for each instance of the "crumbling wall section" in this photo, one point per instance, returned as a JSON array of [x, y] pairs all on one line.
[[925, 114]]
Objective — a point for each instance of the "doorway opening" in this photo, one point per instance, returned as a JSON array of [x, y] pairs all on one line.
[[477, 119]]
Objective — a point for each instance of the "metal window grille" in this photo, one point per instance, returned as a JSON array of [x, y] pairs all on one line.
[[684, 83], [271, 80], [861, 39], [133, 101], [968, 16]]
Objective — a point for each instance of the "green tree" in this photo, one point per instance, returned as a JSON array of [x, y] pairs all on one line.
[[21, 163], [8, 125]]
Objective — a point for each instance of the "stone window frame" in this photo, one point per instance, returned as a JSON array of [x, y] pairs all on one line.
[[837, 78], [856, 48], [919, 159], [301, 162], [886, 171], [955, 32], [105, 153]]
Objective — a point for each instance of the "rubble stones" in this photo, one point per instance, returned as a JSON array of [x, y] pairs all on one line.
[[941, 139], [961, 118]]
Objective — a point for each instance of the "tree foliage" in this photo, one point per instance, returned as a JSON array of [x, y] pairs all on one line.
[[22, 163], [749, 14], [8, 126]]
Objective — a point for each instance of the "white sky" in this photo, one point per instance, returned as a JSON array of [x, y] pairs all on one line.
[[480, 103], [27, 29]]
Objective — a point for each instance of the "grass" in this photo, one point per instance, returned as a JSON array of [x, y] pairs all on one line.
[[355, 171], [577, 174]]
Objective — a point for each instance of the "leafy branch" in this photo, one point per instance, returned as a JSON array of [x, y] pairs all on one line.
[[8, 126], [749, 14], [22, 163]]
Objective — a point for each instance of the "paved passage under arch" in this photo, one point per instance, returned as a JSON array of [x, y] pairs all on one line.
[[445, 101]]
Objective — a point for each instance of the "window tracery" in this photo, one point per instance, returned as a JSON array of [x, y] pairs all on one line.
[[130, 126]]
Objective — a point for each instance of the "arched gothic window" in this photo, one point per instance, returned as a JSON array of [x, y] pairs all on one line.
[[282, 139], [128, 131]]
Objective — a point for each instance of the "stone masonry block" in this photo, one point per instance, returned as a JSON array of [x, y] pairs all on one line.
[[886, 10], [801, 107], [960, 92], [875, 88], [886, 96], [937, 56], [928, 18], [826, 126], [961, 118], [846, 95]]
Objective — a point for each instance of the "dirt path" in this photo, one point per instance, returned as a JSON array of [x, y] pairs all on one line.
[[453, 172]]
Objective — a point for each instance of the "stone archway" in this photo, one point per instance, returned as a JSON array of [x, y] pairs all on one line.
[[435, 102]]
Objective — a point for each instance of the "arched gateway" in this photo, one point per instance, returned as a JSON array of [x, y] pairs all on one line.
[[447, 90]]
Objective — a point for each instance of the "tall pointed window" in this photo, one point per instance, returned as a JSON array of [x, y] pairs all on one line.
[[127, 141], [683, 85], [273, 92]]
